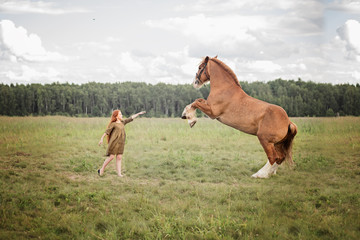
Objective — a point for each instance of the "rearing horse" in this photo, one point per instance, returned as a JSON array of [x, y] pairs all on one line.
[[229, 104]]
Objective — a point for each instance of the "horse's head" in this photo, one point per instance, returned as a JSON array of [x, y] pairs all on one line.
[[202, 75]]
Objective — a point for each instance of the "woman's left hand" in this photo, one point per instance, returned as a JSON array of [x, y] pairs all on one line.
[[136, 115]]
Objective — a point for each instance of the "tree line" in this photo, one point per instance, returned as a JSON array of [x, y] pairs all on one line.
[[298, 98]]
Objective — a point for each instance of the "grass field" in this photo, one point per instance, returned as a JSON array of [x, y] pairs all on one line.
[[180, 183]]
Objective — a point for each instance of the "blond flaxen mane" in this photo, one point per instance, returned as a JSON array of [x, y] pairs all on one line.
[[227, 69]]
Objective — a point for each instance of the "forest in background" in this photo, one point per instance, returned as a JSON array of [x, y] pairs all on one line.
[[298, 98]]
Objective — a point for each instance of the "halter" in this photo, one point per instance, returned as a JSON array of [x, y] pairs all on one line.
[[198, 76]]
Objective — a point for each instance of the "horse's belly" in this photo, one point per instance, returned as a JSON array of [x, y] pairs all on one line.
[[244, 126]]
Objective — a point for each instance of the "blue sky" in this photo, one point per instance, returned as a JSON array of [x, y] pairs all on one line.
[[79, 41]]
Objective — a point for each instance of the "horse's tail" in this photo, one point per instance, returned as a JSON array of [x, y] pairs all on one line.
[[288, 143]]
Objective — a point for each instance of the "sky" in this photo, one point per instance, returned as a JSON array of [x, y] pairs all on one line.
[[108, 41]]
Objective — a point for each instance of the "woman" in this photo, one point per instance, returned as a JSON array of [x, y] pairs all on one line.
[[116, 139]]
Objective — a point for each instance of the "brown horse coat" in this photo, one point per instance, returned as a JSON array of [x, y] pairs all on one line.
[[229, 104]]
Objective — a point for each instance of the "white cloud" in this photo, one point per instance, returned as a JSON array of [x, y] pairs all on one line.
[[259, 39], [16, 44], [39, 7], [350, 33], [230, 35], [28, 74], [172, 67], [241, 28], [113, 39], [299, 66], [356, 75], [93, 46], [211, 29], [244, 5], [263, 40], [345, 5], [292, 16], [262, 66], [129, 64]]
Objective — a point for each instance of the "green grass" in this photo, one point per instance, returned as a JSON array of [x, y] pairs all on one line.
[[180, 183]]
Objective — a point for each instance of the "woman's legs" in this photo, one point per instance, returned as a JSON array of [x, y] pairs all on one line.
[[106, 162], [118, 164]]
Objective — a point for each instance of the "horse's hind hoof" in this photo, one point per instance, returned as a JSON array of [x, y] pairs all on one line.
[[257, 175]]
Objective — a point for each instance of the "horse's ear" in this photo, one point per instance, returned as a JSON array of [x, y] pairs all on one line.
[[206, 59], [215, 56]]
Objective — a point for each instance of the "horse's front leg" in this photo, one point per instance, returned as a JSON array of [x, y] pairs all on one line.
[[203, 106], [189, 112]]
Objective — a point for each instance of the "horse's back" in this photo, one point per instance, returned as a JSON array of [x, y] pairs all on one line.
[[269, 112]]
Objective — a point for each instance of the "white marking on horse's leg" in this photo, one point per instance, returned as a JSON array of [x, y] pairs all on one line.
[[190, 114], [263, 172], [266, 171], [273, 169]]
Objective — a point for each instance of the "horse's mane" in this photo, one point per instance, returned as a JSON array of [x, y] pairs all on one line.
[[227, 69]]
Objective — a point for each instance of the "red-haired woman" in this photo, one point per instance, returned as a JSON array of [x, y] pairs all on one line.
[[116, 139]]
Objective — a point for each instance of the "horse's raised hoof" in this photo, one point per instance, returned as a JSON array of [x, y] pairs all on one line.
[[183, 116], [192, 123]]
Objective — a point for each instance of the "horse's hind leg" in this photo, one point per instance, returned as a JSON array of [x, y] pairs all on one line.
[[281, 153], [271, 166]]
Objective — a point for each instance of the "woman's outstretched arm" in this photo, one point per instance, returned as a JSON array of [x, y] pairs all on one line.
[[137, 114]]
